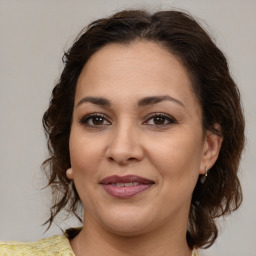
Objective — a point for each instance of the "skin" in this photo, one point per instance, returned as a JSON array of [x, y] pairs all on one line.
[[127, 140]]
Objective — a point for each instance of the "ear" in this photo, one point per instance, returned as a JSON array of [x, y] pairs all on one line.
[[211, 149], [69, 173]]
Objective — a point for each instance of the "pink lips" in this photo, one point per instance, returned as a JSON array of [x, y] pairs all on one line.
[[125, 186]]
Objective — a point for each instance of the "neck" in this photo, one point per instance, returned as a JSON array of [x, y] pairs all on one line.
[[165, 241]]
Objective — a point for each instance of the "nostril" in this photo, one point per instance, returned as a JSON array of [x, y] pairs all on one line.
[[131, 159], [124, 153], [111, 159], [122, 161]]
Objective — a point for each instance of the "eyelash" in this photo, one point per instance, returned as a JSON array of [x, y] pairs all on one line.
[[170, 119], [84, 120]]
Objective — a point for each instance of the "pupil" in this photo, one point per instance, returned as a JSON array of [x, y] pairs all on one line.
[[97, 120], [159, 120]]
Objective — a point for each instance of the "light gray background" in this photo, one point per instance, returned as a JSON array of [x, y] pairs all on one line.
[[33, 35]]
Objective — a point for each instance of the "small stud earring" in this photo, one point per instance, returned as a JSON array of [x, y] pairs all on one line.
[[203, 178], [69, 173]]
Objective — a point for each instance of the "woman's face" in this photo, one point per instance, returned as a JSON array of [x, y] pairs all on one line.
[[136, 142]]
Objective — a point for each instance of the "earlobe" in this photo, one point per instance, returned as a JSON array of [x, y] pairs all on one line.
[[69, 173], [203, 178], [212, 145]]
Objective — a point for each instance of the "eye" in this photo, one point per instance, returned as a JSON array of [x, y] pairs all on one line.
[[94, 120], [159, 119]]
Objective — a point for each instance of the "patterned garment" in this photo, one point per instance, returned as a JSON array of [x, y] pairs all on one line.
[[52, 246]]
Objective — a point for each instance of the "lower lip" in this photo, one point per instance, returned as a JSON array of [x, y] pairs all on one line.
[[125, 192]]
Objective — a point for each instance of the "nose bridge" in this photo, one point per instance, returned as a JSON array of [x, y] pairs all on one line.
[[124, 143]]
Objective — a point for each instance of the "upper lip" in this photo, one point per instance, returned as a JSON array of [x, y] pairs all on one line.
[[125, 179]]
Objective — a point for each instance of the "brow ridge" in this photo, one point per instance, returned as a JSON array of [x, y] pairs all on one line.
[[150, 100], [95, 100]]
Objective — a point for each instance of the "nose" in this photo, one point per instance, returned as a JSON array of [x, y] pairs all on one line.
[[125, 145]]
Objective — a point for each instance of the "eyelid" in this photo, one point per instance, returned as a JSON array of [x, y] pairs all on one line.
[[85, 118], [171, 119]]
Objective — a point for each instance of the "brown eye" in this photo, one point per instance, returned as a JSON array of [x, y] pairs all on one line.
[[97, 120], [160, 120], [94, 120]]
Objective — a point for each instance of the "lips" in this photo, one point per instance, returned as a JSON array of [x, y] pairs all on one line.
[[125, 186]]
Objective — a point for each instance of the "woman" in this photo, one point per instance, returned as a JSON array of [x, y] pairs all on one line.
[[145, 131]]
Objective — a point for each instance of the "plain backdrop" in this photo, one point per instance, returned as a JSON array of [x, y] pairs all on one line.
[[33, 36]]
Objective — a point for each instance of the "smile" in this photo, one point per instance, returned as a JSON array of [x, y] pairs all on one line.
[[125, 184], [124, 187]]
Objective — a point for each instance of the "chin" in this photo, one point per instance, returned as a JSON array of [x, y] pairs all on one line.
[[127, 223], [127, 230]]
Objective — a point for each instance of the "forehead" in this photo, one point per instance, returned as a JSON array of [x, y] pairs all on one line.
[[138, 69], [115, 60]]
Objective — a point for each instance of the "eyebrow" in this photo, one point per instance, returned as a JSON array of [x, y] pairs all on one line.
[[95, 100], [156, 99], [151, 100]]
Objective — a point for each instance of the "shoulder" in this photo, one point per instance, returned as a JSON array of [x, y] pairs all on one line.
[[55, 245]]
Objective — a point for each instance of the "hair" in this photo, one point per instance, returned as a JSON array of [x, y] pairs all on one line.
[[217, 94]]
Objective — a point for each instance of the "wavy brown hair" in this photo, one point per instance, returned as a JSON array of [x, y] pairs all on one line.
[[218, 95]]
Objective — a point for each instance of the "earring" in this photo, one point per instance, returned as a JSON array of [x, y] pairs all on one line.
[[69, 173], [203, 178]]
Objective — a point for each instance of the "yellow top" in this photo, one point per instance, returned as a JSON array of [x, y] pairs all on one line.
[[52, 246]]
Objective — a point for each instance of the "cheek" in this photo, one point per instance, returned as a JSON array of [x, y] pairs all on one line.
[[177, 158], [84, 153], [178, 165]]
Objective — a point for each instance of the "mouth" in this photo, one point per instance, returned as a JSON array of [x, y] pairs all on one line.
[[124, 187]]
